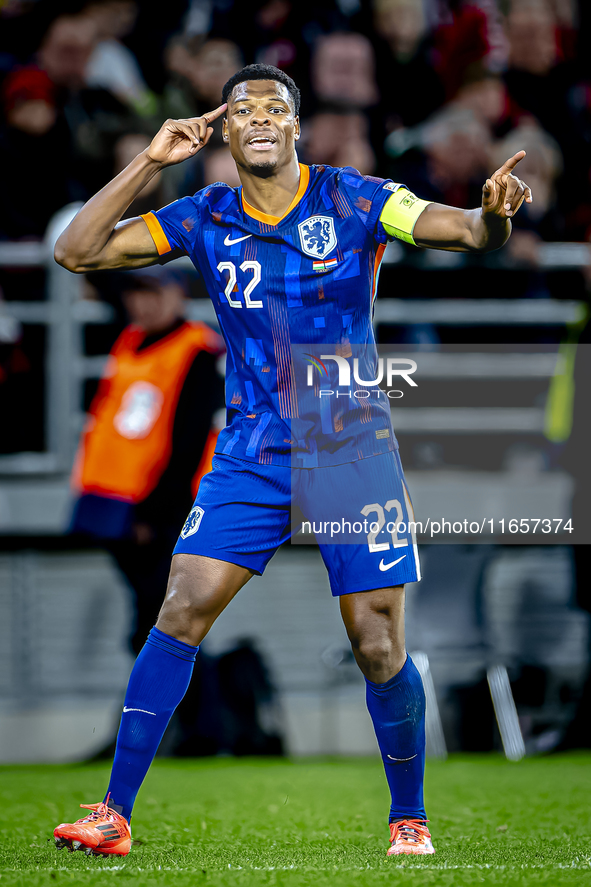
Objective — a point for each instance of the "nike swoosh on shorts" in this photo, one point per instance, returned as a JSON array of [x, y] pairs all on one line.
[[384, 566], [229, 242]]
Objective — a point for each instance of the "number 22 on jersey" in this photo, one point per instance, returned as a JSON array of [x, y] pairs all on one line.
[[230, 267]]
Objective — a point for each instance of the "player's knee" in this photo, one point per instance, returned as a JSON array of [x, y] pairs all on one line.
[[374, 650], [187, 602], [379, 658], [189, 609], [199, 588], [178, 609]]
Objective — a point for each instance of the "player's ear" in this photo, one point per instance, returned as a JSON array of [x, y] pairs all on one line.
[[297, 128], [225, 135]]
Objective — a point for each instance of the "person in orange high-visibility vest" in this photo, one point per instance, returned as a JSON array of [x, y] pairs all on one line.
[[149, 436]]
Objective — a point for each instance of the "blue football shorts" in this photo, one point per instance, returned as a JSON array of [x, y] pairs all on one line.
[[360, 514]]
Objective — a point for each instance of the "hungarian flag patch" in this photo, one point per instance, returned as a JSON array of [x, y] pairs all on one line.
[[328, 265]]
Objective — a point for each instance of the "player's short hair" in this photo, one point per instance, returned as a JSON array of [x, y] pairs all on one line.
[[263, 72]]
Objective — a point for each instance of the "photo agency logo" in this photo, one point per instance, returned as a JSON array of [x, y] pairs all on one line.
[[386, 370]]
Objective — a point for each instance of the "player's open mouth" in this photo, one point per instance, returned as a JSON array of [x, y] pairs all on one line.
[[261, 142]]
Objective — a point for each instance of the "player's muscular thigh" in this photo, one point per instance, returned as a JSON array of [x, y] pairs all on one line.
[[199, 589]]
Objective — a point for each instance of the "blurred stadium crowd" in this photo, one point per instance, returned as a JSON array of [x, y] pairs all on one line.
[[434, 93]]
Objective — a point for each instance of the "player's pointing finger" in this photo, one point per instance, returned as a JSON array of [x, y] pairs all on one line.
[[510, 164]]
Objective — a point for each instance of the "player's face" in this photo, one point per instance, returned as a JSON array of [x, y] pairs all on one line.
[[261, 126]]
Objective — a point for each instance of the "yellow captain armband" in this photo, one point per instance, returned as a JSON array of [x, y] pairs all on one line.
[[400, 214]]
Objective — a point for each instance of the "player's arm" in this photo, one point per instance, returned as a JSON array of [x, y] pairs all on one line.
[[96, 238], [460, 230]]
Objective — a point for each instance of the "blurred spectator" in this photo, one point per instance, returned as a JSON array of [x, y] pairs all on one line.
[[537, 78], [544, 81], [33, 141], [343, 72], [488, 100], [338, 139], [411, 90], [198, 19], [461, 43], [273, 33], [457, 146], [149, 436], [211, 66], [112, 65], [532, 38], [343, 79], [498, 46], [403, 24], [147, 41], [66, 50], [450, 158], [90, 119]]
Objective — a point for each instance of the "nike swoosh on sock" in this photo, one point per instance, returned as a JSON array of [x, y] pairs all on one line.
[[143, 710]]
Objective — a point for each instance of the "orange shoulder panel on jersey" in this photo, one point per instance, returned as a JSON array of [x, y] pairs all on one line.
[[157, 232]]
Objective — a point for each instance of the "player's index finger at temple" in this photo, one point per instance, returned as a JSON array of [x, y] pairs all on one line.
[[213, 115]]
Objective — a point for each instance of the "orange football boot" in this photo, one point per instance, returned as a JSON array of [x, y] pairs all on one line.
[[409, 836], [102, 833]]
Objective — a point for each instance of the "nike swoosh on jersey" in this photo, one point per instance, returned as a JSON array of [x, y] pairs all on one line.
[[384, 566], [229, 242], [402, 760], [143, 710]]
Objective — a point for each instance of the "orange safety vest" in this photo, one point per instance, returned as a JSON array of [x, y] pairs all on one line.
[[128, 439]]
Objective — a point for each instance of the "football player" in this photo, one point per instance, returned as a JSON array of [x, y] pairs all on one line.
[[291, 258]]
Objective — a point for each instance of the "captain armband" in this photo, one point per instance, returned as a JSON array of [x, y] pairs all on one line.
[[400, 214]]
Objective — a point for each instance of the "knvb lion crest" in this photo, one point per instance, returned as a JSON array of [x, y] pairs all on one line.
[[192, 523], [317, 236]]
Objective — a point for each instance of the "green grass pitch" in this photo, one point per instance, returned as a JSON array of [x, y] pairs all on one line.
[[312, 823]]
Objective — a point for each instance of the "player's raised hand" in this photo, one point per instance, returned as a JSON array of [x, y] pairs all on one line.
[[178, 140], [504, 193]]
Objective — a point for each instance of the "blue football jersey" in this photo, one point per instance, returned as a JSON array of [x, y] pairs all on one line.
[[282, 288]]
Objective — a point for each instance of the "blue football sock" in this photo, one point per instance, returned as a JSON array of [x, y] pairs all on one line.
[[397, 709], [158, 682]]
